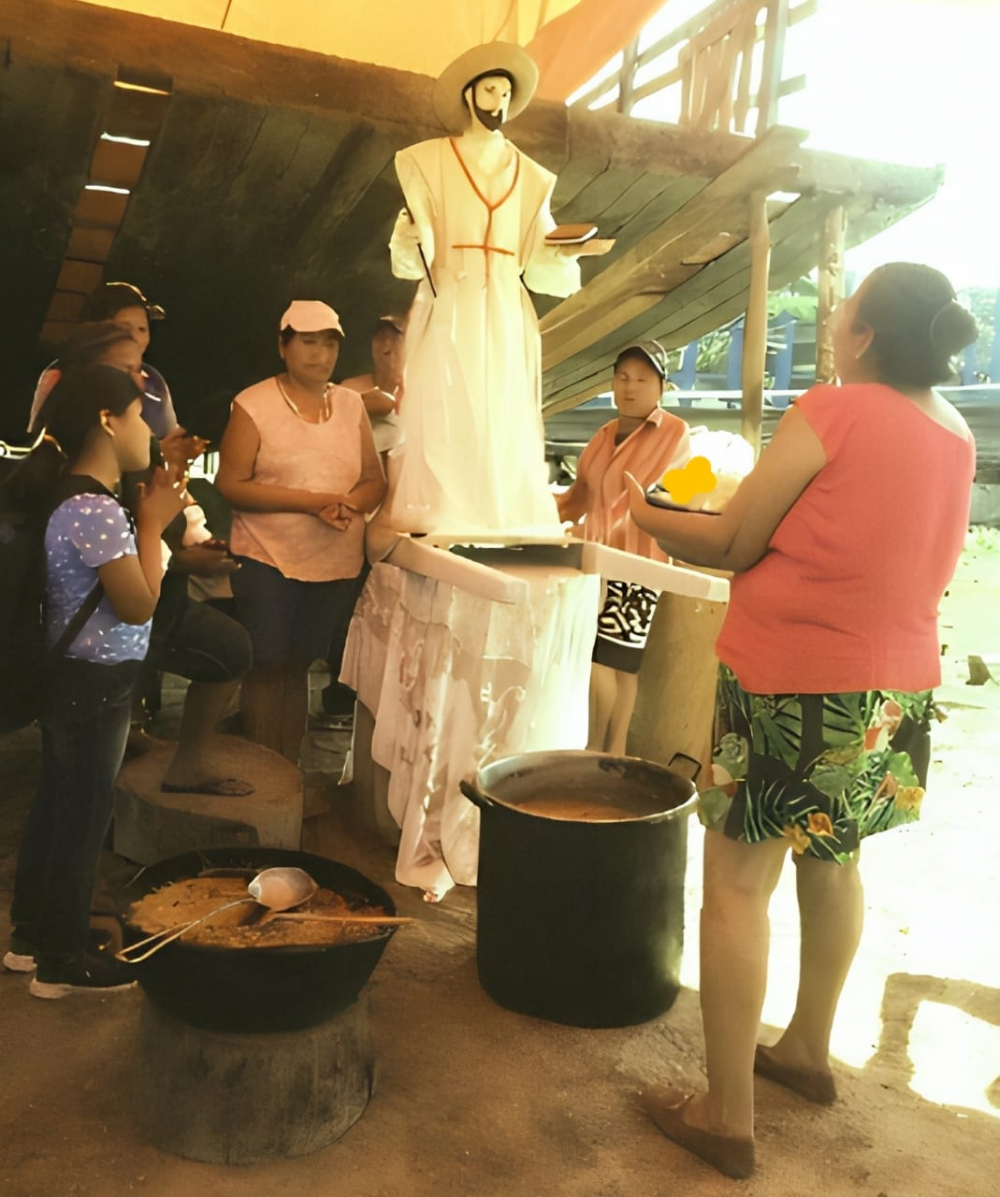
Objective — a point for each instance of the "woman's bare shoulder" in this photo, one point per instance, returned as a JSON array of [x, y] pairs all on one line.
[[942, 412]]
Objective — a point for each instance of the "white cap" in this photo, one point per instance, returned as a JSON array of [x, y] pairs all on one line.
[[310, 315]]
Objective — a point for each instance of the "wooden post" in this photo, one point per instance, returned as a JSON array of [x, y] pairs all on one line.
[[626, 80], [775, 29], [831, 289], [755, 325]]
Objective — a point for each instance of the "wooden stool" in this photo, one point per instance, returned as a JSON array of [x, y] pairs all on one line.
[[152, 826], [245, 1099]]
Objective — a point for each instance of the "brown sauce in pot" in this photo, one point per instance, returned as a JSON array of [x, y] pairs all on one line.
[[578, 810]]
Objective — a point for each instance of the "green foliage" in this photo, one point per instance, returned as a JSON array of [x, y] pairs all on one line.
[[713, 349], [799, 299], [982, 539], [802, 307]]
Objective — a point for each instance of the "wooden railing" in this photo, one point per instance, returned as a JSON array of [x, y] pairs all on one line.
[[727, 62]]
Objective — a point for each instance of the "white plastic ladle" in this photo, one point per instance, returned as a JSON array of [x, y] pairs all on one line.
[[277, 889]]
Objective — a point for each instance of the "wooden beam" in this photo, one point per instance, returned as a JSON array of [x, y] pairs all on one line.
[[890, 183], [626, 77], [689, 30], [708, 300], [831, 289], [641, 277], [224, 67], [718, 293], [755, 326]]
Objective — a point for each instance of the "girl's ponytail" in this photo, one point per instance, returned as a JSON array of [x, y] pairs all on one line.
[[29, 486]]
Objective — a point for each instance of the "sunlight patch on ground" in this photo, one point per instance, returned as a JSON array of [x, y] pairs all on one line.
[[956, 1058]]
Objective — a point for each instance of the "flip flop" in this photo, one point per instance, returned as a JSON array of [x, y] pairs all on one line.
[[731, 1156], [224, 787]]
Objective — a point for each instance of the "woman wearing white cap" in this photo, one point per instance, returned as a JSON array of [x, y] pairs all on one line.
[[300, 468]]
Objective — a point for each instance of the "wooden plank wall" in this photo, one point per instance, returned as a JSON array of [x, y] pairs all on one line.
[[49, 121], [242, 209], [271, 178], [717, 293]]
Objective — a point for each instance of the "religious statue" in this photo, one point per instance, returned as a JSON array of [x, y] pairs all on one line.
[[474, 233]]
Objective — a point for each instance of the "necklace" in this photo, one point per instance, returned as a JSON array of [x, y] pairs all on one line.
[[324, 411]]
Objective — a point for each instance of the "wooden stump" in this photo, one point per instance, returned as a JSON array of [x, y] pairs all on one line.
[[246, 1099], [152, 826], [675, 707]]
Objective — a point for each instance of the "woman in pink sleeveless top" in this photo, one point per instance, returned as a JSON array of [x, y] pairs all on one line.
[[300, 468], [841, 542]]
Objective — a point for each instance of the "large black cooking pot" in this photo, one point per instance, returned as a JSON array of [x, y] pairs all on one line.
[[257, 989], [582, 922]]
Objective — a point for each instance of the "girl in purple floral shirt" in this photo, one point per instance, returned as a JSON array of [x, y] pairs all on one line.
[[94, 432]]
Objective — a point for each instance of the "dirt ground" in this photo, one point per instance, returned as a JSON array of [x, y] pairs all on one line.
[[475, 1101]]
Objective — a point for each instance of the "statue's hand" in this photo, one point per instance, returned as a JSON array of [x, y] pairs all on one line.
[[405, 247], [404, 231]]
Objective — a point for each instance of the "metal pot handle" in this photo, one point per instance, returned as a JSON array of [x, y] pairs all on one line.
[[690, 768], [160, 939], [471, 790]]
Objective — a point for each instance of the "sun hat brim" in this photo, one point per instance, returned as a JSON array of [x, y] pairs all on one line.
[[480, 60]]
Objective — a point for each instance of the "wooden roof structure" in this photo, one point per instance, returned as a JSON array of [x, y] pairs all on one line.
[[270, 176]]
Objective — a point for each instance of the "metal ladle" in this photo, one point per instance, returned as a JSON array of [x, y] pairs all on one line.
[[277, 889]]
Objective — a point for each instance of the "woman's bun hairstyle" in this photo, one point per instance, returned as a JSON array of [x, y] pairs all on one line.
[[919, 326], [953, 329]]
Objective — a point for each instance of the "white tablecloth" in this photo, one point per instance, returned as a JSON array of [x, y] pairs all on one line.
[[455, 681]]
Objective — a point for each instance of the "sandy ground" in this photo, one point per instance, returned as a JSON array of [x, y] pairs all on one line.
[[474, 1100]]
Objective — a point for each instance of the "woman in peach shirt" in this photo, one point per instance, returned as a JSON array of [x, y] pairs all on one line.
[[644, 441]]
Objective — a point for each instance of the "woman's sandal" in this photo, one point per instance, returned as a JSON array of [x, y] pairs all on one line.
[[814, 1086], [223, 787], [731, 1156]]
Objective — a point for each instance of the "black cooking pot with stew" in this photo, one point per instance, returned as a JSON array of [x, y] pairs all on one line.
[[257, 989], [581, 885]]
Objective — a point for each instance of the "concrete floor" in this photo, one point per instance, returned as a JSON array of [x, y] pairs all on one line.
[[472, 1099]]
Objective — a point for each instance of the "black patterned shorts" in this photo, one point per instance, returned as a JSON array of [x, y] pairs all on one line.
[[623, 626]]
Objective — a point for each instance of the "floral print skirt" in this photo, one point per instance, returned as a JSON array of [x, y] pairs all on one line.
[[822, 770]]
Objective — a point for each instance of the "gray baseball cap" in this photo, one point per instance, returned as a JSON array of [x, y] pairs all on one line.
[[652, 351]]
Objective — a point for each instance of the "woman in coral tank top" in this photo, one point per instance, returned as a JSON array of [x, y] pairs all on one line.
[[841, 542]]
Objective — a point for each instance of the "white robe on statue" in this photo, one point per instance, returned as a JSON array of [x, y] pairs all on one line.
[[474, 452]]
